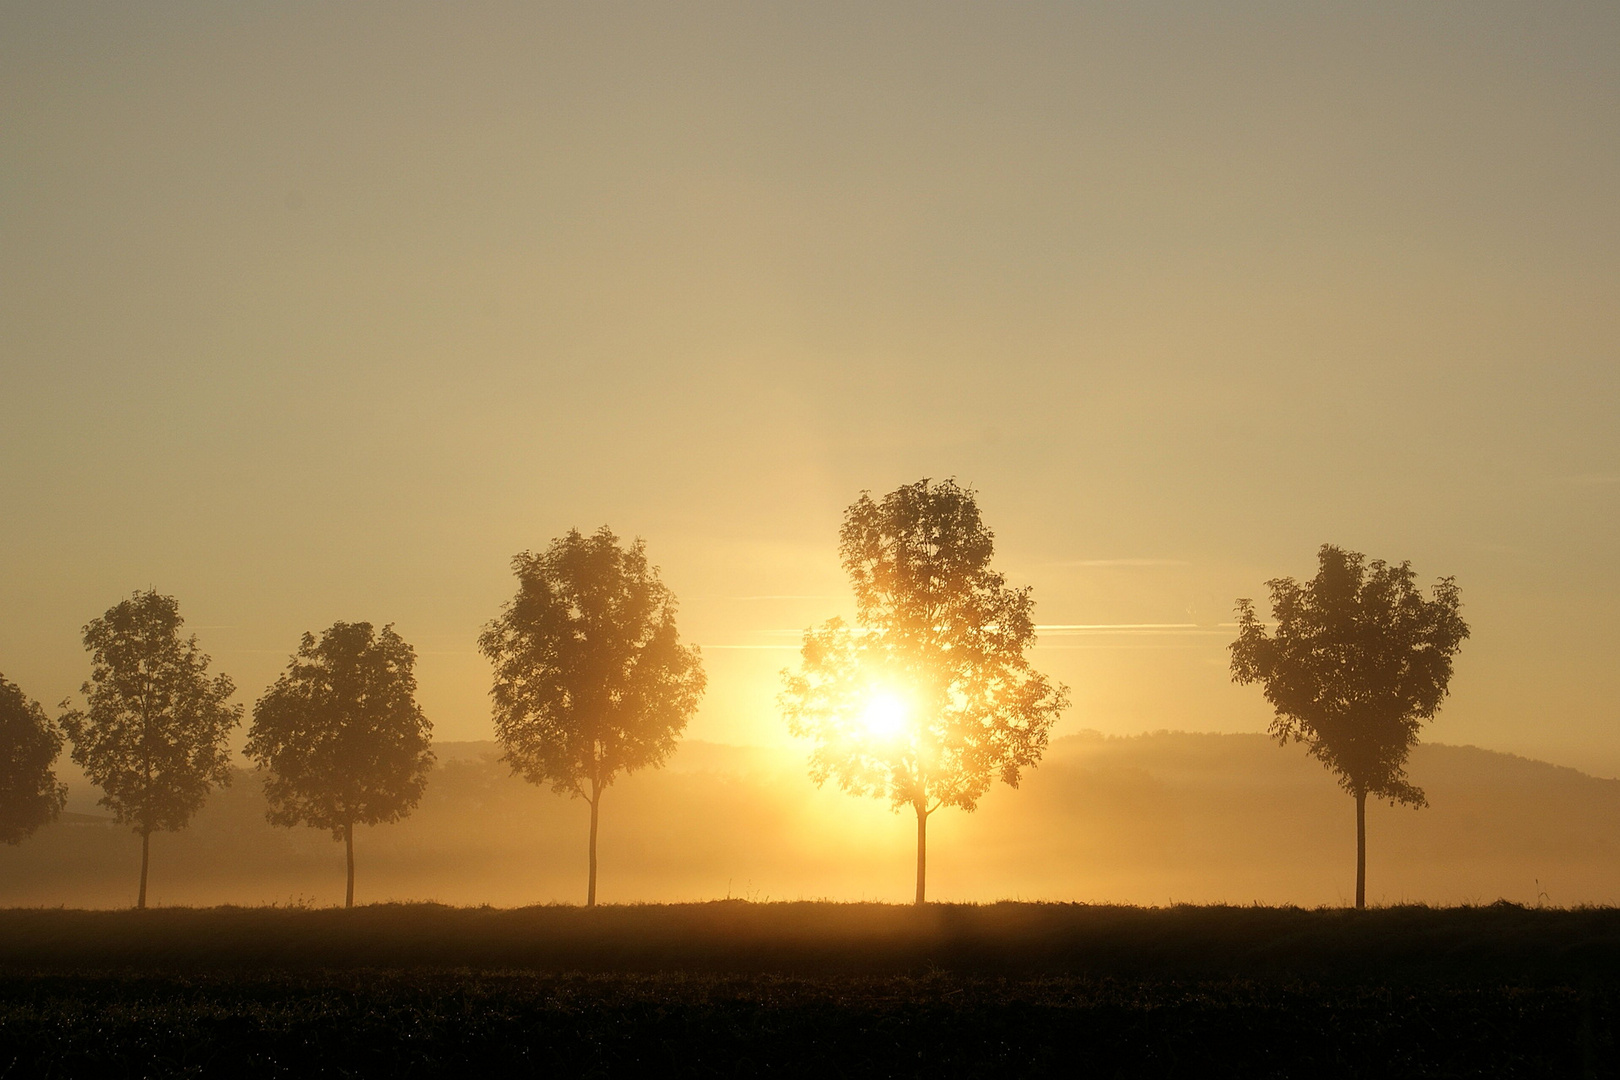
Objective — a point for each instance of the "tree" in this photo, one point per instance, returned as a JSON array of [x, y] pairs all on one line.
[[153, 736], [929, 698], [591, 678], [30, 795], [1358, 660], [340, 737]]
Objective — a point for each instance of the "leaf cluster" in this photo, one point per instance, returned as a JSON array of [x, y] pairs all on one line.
[[30, 794], [1357, 661], [152, 735], [933, 619], [590, 676], [339, 735]]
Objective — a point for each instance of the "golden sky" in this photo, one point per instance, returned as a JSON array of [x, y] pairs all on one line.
[[319, 312]]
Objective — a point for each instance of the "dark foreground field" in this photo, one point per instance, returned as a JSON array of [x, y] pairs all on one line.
[[733, 989]]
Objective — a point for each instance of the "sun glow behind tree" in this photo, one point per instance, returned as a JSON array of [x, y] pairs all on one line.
[[929, 699], [886, 716]]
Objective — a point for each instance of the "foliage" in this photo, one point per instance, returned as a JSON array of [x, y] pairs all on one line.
[[1357, 661], [590, 676], [938, 628], [30, 795], [153, 734], [339, 734]]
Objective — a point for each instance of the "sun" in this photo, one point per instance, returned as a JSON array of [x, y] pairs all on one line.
[[885, 716]]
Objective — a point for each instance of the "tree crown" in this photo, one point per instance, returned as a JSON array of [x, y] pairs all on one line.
[[591, 678], [339, 734], [153, 734], [1357, 661], [941, 632], [30, 795]]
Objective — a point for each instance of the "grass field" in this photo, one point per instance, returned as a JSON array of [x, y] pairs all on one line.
[[732, 988]]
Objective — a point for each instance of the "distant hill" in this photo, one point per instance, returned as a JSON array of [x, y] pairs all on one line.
[[1151, 819]]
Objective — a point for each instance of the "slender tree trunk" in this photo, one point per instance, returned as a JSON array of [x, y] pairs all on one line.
[[146, 853], [922, 854], [1361, 849], [348, 842], [590, 890], [146, 800]]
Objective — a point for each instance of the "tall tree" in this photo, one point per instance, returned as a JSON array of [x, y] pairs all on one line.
[[340, 737], [30, 794], [928, 698], [591, 678], [1357, 661], [153, 734]]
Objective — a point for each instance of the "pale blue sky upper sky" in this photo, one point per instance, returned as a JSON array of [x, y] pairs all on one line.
[[312, 312]]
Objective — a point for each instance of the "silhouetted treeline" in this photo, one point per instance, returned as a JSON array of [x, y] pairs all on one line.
[[925, 701]]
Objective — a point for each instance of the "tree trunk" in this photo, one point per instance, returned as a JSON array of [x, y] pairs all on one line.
[[1361, 849], [590, 890], [348, 842], [922, 854], [146, 852], [146, 799]]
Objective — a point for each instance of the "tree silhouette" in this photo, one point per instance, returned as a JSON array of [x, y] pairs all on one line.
[[340, 736], [590, 676], [929, 698], [30, 795], [1357, 661], [153, 735]]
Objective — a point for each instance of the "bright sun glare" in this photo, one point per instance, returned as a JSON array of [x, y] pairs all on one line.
[[885, 715]]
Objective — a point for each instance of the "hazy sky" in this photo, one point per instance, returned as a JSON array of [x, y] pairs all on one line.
[[318, 312]]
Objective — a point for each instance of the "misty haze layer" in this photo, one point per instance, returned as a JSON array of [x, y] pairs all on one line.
[[1154, 819]]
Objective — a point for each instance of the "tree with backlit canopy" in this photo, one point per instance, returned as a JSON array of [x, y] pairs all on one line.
[[30, 794], [1356, 662], [153, 733], [340, 737], [591, 678], [928, 698]]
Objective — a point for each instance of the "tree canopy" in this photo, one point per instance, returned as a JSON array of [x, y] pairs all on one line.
[[153, 734], [30, 794], [340, 737], [928, 698], [1356, 662], [590, 676]]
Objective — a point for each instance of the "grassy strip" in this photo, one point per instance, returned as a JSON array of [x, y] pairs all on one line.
[[1500, 941]]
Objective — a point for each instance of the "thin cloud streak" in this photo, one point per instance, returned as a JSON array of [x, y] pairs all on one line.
[[1133, 629], [1056, 629], [1118, 626], [1123, 562], [1044, 647], [786, 596], [789, 648]]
